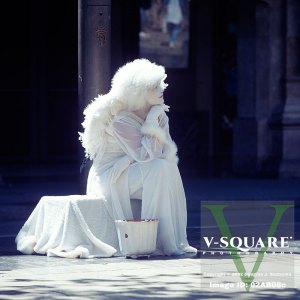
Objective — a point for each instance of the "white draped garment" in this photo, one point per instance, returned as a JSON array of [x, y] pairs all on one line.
[[138, 161]]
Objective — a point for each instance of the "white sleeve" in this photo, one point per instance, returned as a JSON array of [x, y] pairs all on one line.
[[160, 130], [139, 146]]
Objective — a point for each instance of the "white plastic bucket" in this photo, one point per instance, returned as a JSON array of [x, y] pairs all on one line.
[[137, 237]]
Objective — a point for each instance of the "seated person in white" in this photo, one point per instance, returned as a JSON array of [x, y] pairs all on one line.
[[127, 137]]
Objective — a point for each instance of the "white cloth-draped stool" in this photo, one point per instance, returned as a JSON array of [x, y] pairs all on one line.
[[69, 226]]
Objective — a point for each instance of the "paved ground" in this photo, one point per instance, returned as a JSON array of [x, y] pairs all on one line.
[[40, 277], [131, 279]]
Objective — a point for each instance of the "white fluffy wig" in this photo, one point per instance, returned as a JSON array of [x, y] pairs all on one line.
[[128, 91]]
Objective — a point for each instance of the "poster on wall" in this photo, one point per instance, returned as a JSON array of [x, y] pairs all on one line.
[[164, 32]]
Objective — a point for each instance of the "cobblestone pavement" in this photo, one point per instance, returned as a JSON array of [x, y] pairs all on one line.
[[185, 277], [40, 277]]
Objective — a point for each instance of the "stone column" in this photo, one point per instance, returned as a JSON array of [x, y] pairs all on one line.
[[94, 63], [270, 66], [290, 165], [245, 126]]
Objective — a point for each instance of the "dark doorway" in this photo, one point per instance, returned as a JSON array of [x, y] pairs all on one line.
[[38, 89], [38, 78]]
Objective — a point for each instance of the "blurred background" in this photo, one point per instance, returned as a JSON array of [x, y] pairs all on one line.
[[234, 87], [233, 74]]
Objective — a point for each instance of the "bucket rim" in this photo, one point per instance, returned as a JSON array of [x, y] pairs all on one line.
[[137, 220]]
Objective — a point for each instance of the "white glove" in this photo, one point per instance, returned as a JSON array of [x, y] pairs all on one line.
[[155, 111]]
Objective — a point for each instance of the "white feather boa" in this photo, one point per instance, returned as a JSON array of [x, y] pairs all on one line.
[[98, 115], [159, 133]]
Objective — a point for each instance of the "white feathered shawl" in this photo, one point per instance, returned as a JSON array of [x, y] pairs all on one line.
[[128, 92]]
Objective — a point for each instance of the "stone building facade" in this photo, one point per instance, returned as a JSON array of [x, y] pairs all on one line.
[[237, 101], [266, 138]]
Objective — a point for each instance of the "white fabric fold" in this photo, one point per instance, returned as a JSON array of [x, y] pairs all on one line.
[[69, 226]]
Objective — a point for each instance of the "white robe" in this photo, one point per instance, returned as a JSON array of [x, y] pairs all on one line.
[[139, 161]]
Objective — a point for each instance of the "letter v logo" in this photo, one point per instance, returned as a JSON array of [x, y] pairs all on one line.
[[217, 211]]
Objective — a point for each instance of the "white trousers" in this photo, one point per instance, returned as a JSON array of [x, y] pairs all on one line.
[[158, 183]]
